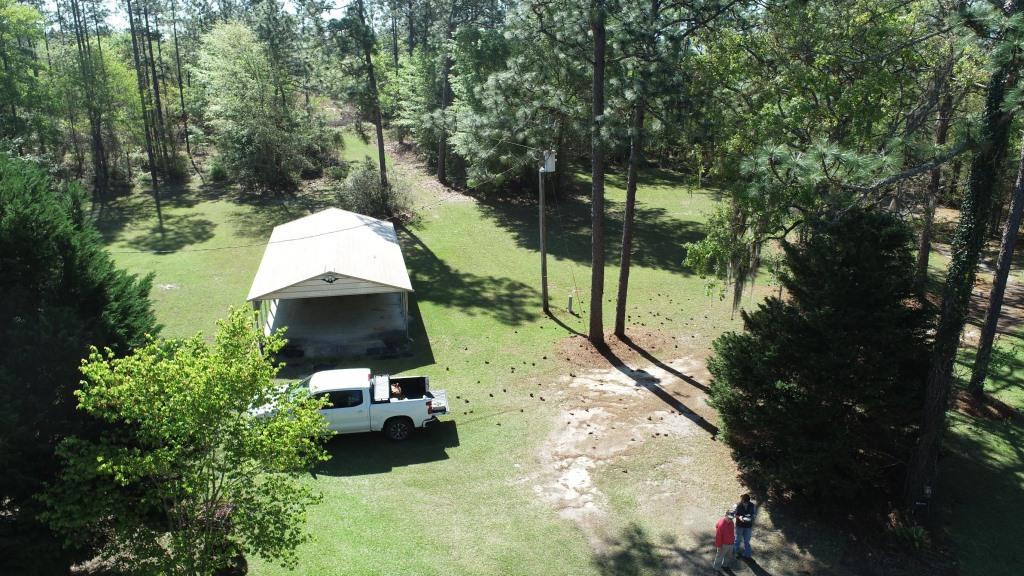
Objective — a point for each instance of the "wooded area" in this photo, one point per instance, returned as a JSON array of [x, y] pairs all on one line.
[[818, 123]]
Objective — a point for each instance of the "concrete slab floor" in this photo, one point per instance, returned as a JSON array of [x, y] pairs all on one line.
[[341, 325]]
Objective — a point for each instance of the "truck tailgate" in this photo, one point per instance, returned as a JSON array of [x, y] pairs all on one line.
[[439, 402]]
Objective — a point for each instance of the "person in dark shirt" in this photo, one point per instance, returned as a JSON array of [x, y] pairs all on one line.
[[744, 512]]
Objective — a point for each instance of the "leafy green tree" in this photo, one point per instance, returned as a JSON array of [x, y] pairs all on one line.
[[262, 137], [355, 41], [362, 191], [60, 291], [813, 114], [821, 393], [20, 27], [192, 470]]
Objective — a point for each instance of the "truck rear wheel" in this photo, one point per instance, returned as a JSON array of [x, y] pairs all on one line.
[[398, 429]]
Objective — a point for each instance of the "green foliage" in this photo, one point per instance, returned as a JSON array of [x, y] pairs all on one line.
[[820, 394], [60, 291], [915, 537], [262, 137], [338, 172], [218, 173], [193, 468], [19, 25], [361, 192]]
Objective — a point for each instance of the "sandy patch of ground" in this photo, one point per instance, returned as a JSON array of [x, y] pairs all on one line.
[[650, 429]]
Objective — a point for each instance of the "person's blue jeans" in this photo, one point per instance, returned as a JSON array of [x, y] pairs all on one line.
[[743, 541]]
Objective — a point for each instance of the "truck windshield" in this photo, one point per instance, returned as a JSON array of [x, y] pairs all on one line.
[[301, 388]]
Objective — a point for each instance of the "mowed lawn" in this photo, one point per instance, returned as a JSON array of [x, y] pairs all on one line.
[[983, 472], [459, 499], [454, 500]]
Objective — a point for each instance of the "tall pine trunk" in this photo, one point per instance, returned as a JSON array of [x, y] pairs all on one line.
[[932, 195], [635, 151], [394, 39], [597, 26], [150, 155], [159, 129], [442, 140], [995, 299], [371, 79], [412, 28], [93, 110], [966, 249], [181, 89]]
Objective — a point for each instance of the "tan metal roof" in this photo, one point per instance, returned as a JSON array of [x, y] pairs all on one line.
[[331, 253]]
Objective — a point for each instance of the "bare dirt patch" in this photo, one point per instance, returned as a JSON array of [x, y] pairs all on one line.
[[987, 407], [606, 413], [411, 165], [630, 426], [579, 352]]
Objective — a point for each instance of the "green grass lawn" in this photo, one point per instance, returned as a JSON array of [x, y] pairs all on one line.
[[982, 467], [983, 471], [448, 502], [454, 501]]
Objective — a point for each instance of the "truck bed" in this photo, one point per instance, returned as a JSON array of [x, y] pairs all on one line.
[[392, 388]]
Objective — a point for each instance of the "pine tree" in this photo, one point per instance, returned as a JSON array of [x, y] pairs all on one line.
[[62, 293], [820, 394]]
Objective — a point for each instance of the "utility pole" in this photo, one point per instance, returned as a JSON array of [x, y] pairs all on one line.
[[548, 165]]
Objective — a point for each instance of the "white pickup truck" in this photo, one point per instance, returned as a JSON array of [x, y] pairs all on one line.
[[359, 401]]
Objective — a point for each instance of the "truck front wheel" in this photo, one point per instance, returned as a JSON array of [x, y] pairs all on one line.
[[398, 429]]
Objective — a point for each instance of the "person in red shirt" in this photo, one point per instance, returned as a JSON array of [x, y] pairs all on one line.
[[725, 537]]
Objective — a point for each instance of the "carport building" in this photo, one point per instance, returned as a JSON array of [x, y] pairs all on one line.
[[337, 280]]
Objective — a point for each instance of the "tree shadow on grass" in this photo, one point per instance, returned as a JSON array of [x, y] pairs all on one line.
[[177, 232], [634, 552], [980, 490], [657, 362], [506, 300], [647, 381], [657, 243], [265, 211], [372, 453]]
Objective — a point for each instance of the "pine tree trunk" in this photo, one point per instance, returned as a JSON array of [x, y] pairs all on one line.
[[635, 151], [442, 140], [412, 28], [181, 89], [932, 195], [995, 299], [95, 114], [133, 28], [394, 40], [158, 111], [597, 26], [378, 121], [966, 249]]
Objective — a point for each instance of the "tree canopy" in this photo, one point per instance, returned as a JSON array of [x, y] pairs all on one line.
[[820, 395], [201, 457], [61, 291]]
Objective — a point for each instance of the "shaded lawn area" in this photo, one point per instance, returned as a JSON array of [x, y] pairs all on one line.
[[981, 487], [983, 471]]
